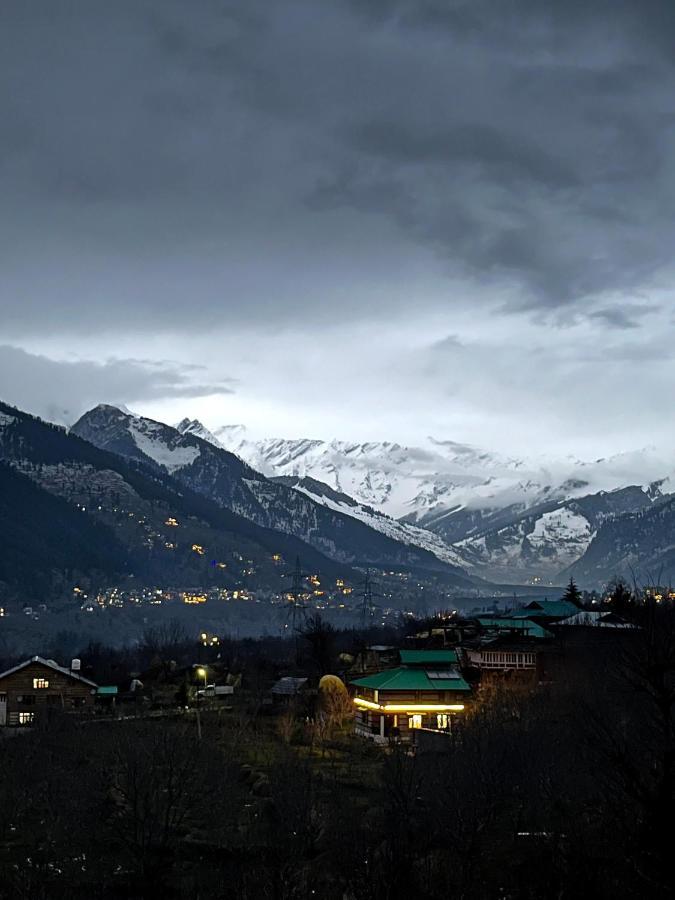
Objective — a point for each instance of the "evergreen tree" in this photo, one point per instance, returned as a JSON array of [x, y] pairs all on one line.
[[572, 593]]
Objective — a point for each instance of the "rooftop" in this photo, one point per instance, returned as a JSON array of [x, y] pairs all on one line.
[[599, 618], [428, 657], [289, 686], [50, 664], [524, 626], [405, 679], [554, 609]]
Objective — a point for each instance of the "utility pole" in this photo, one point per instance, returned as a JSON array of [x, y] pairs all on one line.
[[367, 604], [296, 610]]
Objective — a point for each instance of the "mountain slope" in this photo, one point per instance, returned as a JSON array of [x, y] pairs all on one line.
[[155, 522], [404, 532], [222, 476], [542, 541], [640, 545], [43, 535]]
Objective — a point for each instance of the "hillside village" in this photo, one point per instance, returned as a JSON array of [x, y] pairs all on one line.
[[361, 718], [429, 679]]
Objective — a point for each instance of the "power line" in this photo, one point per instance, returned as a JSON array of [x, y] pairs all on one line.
[[368, 606], [296, 608]]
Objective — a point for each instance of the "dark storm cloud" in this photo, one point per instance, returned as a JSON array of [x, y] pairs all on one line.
[[61, 391], [178, 166], [515, 159], [625, 316]]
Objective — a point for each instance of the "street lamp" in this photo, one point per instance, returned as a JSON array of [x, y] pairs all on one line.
[[201, 673]]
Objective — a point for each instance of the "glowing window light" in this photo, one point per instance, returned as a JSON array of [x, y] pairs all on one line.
[[409, 707]]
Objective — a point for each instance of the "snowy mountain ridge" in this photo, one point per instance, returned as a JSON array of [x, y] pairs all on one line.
[[428, 482], [504, 518]]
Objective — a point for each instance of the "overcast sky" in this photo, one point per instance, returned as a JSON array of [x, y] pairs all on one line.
[[368, 219]]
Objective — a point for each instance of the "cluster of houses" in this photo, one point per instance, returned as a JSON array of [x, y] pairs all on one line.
[[39, 685], [398, 692]]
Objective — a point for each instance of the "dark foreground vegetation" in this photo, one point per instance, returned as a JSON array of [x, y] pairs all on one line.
[[562, 791]]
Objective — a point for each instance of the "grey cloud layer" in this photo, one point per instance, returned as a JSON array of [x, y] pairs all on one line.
[[61, 391], [166, 165], [310, 195]]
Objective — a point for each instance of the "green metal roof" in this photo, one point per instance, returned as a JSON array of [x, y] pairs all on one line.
[[428, 657], [554, 608], [403, 679], [527, 626]]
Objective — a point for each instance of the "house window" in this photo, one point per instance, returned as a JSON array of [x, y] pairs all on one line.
[[415, 721], [442, 720], [25, 718], [40, 683]]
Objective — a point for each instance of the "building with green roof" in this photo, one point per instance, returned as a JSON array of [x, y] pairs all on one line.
[[426, 691], [428, 657], [550, 609], [525, 627]]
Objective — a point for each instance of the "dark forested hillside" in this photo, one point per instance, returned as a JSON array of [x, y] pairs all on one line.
[[122, 509], [42, 535]]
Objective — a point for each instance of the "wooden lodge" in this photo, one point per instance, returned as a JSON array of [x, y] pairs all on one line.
[[39, 683], [508, 650], [426, 691]]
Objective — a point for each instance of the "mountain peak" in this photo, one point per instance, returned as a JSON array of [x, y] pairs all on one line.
[[111, 408], [136, 437], [196, 428]]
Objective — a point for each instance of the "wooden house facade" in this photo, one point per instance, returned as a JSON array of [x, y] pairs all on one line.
[[38, 683], [508, 649]]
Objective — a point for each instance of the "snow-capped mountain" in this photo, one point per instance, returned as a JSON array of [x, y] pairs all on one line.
[[396, 480], [405, 532], [544, 540], [431, 483], [505, 518], [203, 466]]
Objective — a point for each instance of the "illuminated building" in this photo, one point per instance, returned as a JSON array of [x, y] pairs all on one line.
[[38, 683], [426, 691]]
